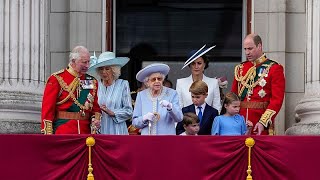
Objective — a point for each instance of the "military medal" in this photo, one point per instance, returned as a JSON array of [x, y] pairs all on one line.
[[262, 82], [90, 97], [262, 93], [88, 105], [87, 84], [260, 72]]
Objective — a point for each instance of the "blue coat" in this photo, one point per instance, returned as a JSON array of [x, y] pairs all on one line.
[[117, 98], [144, 104]]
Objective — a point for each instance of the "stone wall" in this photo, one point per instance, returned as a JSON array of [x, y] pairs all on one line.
[[72, 23], [282, 26], [22, 60]]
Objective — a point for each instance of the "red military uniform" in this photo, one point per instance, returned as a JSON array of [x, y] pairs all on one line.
[[69, 102], [261, 87]]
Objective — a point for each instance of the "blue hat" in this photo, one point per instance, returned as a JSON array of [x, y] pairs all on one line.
[[106, 59], [196, 54], [152, 68]]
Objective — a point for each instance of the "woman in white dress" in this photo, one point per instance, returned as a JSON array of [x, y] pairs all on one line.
[[113, 93], [197, 63]]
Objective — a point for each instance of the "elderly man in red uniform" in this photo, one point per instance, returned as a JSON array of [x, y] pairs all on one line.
[[69, 103], [260, 84]]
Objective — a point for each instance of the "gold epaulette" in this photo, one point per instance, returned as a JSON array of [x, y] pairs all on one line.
[[55, 73], [275, 62], [58, 72]]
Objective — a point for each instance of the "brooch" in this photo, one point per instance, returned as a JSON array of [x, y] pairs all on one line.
[[262, 93]]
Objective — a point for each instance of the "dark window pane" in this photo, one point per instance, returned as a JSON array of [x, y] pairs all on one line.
[[174, 28]]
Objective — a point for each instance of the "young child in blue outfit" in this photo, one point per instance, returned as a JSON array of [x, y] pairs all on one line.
[[230, 122]]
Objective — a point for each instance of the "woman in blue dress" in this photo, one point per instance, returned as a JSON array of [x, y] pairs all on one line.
[[230, 122], [156, 108], [113, 93]]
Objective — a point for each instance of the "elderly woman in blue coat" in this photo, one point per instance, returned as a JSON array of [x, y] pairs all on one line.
[[113, 93], [156, 108]]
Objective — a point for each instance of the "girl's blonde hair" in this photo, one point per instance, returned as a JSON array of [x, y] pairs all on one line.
[[228, 99]]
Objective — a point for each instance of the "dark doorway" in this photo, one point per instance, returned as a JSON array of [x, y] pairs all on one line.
[[167, 30]]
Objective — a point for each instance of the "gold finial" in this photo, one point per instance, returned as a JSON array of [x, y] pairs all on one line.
[[249, 143], [90, 141]]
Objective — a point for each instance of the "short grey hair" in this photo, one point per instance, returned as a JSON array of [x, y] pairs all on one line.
[[75, 53], [146, 79], [116, 71]]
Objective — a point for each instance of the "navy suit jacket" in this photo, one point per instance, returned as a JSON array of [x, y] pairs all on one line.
[[207, 119]]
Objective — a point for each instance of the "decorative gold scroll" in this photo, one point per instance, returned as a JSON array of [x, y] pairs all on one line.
[[90, 141], [249, 143]]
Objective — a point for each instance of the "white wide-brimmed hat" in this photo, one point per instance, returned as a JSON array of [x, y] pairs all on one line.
[[152, 68], [196, 54], [106, 59]]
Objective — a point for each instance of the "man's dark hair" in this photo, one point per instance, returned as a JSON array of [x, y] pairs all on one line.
[[257, 40]]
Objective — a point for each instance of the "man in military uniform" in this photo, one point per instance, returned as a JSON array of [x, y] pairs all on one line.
[[260, 84], [70, 102]]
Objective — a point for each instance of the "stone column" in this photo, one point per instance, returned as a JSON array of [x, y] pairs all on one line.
[[22, 57], [308, 109], [270, 23]]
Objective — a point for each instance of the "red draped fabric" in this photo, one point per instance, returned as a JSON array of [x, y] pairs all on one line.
[[158, 157]]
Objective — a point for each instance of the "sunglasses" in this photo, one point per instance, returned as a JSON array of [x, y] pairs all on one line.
[[156, 78]]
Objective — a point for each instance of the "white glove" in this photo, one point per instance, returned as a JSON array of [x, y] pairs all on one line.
[[166, 104], [148, 117]]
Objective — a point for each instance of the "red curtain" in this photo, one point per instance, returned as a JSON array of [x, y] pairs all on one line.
[[158, 157]]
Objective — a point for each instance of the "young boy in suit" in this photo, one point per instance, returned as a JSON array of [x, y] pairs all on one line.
[[205, 113]]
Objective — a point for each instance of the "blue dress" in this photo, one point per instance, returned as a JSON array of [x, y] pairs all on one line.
[[145, 103], [117, 98], [229, 125]]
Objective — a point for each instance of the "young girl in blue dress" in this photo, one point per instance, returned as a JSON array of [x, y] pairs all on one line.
[[230, 122]]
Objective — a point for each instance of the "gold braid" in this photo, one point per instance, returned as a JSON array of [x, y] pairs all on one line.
[[247, 81], [71, 88]]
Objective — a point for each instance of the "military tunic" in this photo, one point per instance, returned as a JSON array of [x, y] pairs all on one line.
[[69, 103], [261, 87]]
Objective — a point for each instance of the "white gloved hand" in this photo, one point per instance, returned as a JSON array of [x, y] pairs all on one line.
[[166, 104], [148, 117]]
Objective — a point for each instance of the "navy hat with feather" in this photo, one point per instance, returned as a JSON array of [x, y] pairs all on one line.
[[195, 54]]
